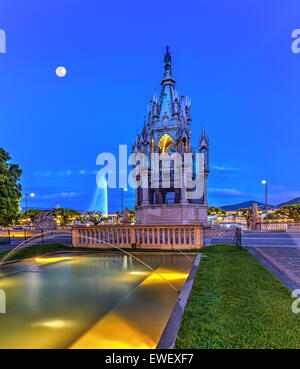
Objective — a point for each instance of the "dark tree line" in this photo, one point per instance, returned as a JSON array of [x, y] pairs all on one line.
[[10, 189]]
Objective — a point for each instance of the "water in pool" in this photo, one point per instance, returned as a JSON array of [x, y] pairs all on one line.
[[89, 300]]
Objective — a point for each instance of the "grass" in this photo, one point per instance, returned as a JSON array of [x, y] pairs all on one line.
[[237, 303]]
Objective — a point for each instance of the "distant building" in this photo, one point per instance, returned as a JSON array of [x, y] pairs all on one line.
[[167, 130]]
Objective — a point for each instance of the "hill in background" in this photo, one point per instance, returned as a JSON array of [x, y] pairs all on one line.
[[295, 201], [248, 204]]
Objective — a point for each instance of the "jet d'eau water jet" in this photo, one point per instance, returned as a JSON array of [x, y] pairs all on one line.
[[100, 201]]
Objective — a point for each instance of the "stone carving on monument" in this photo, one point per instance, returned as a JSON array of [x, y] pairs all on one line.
[[45, 221], [255, 216], [126, 217]]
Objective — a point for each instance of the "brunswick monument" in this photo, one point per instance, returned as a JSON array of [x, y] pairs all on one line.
[[167, 131]]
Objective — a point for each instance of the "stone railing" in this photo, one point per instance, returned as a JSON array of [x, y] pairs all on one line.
[[219, 232], [278, 226], [140, 237], [293, 227], [219, 236]]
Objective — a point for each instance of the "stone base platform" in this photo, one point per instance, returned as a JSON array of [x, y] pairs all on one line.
[[172, 214]]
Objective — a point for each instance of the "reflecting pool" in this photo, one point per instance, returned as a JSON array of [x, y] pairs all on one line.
[[95, 300]]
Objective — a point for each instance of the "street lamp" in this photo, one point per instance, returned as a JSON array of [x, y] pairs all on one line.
[[26, 196], [122, 199], [265, 182]]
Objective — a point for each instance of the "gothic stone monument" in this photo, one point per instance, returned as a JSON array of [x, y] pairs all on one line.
[[45, 221], [255, 216], [167, 130]]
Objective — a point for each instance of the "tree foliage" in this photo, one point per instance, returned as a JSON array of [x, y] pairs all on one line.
[[118, 216], [94, 217], [289, 212], [105, 219], [65, 216], [213, 210], [273, 216], [10, 189], [31, 214], [247, 214]]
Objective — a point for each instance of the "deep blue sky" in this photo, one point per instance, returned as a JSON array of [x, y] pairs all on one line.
[[233, 58]]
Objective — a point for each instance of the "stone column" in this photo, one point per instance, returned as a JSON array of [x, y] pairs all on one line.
[[183, 189], [198, 237], [137, 196], [132, 236], [145, 189], [174, 240], [205, 188], [75, 237]]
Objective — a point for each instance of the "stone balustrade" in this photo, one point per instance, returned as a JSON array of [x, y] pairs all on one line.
[[293, 227], [273, 226], [277, 226], [141, 237]]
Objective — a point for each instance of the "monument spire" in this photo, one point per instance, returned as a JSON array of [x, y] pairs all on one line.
[[167, 77], [168, 62], [203, 142]]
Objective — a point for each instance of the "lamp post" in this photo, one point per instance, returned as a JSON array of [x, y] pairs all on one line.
[[265, 182], [26, 197], [122, 198]]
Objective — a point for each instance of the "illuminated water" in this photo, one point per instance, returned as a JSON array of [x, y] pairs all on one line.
[[100, 199], [89, 300]]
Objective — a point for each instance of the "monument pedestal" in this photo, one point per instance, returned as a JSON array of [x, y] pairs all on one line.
[[172, 214]]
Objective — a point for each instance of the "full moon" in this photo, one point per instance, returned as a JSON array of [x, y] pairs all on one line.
[[61, 71]]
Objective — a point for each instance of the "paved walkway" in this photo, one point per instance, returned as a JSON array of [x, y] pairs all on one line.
[[6, 247], [285, 261], [277, 251], [272, 239], [66, 239]]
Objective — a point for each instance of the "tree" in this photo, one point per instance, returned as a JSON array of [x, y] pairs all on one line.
[[94, 217], [131, 215], [118, 216], [31, 214], [273, 216], [65, 216], [10, 189], [289, 212], [212, 210], [105, 219], [247, 214]]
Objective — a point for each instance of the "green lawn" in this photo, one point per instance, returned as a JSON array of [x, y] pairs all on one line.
[[237, 303]]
